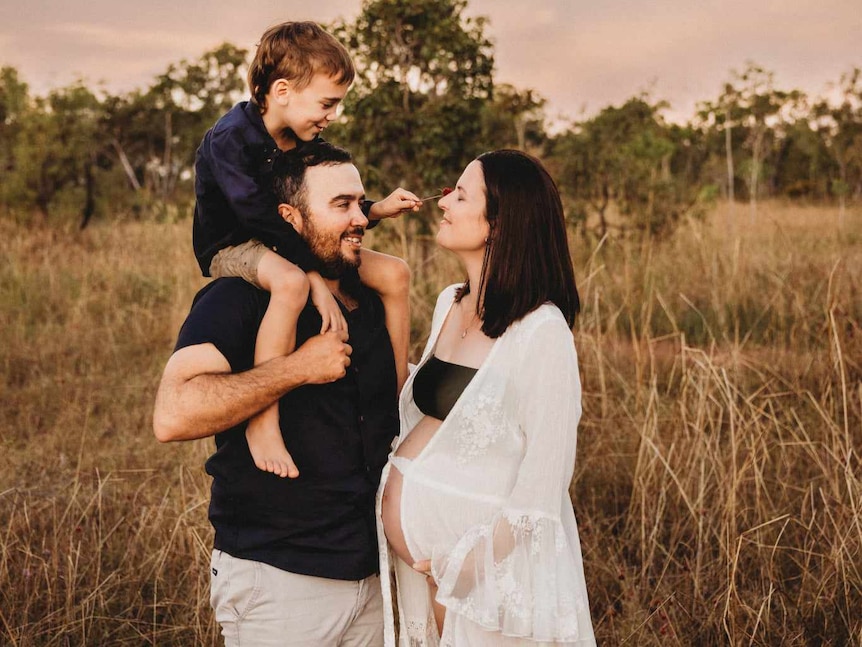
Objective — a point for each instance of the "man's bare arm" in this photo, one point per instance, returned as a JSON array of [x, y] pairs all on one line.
[[198, 395]]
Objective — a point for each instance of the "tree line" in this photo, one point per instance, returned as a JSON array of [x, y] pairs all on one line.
[[425, 103]]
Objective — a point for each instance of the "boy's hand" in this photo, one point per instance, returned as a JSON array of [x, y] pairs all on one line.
[[398, 202], [326, 304]]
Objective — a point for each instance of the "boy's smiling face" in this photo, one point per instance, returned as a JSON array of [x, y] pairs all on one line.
[[308, 111]]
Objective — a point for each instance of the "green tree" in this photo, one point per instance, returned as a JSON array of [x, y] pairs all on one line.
[[423, 73], [720, 116], [752, 104], [14, 103], [514, 119], [58, 152], [76, 149], [623, 156], [184, 102], [841, 127], [803, 163]]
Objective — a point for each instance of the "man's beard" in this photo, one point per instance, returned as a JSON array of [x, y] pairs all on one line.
[[327, 249]]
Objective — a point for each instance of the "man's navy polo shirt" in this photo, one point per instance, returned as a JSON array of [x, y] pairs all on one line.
[[339, 434]]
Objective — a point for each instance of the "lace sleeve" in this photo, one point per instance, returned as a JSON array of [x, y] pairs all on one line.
[[521, 574]]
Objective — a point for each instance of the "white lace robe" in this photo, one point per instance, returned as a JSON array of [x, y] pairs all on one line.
[[488, 499]]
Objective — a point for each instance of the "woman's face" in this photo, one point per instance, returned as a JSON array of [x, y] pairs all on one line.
[[464, 227]]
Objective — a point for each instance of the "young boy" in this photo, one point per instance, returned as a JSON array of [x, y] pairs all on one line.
[[299, 75]]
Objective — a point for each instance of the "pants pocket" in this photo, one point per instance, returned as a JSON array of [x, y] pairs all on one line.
[[235, 587]]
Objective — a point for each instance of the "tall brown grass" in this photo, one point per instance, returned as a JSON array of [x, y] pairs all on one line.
[[718, 478]]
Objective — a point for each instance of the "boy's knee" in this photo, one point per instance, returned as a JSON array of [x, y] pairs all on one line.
[[292, 283], [398, 275], [287, 281]]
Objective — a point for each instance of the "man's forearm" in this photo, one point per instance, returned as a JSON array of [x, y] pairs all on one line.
[[206, 404], [199, 396]]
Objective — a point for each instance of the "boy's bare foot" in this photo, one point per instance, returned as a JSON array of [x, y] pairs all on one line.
[[267, 447]]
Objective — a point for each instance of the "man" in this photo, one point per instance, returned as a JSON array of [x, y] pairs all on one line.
[[295, 560]]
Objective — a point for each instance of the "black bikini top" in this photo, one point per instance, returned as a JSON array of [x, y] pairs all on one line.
[[438, 385]]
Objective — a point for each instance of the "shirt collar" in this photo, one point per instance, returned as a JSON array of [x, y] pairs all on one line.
[[253, 114]]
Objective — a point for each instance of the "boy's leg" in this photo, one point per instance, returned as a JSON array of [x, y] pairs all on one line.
[[240, 261], [288, 287], [390, 278]]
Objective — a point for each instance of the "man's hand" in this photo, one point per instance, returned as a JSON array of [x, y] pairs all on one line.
[[396, 203], [326, 357]]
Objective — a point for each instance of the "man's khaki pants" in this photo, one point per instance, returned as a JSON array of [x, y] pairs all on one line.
[[258, 605]]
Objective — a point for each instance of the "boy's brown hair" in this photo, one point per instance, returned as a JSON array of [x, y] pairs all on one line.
[[296, 51]]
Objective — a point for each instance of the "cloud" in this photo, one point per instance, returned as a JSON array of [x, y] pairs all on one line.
[[122, 59], [588, 55], [126, 45], [90, 36], [573, 52]]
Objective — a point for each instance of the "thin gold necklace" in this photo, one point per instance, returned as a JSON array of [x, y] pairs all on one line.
[[469, 325]]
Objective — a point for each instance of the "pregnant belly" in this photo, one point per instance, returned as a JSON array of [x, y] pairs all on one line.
[[412, 446]]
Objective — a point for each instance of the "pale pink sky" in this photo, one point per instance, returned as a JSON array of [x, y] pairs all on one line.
[[580, 55]]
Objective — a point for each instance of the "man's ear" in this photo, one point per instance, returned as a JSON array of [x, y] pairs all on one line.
[[280, 91], [291, 215]]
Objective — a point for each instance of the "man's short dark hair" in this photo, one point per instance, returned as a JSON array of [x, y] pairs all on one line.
[[289, 170]]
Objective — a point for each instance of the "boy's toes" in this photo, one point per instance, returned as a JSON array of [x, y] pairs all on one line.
[[290, 468], [286, 469]]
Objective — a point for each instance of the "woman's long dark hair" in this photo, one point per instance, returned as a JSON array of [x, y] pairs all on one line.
[[527, 260]]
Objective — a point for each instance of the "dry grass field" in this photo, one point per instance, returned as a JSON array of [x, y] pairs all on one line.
[[718, 485]]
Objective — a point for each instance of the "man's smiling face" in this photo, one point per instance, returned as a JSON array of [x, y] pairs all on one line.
[[332, 222]]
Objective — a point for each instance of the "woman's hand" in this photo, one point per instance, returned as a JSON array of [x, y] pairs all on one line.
[[424, 567], [327, 306]]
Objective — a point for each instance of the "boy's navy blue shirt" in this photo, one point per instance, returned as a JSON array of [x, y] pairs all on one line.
[[234, 197], [339, 434]]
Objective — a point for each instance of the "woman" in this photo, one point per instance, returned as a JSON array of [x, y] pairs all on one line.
[[475, 495]]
